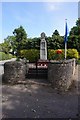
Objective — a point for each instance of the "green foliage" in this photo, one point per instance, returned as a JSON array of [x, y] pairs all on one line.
[[74, 36], [33, 43], [9, 45], [55, 32], [14, 44], [20, 34], [56, 41], [72, 53], [32, 54], [20, 39], [52, 55], [4, 56], [78, 22], [78, 62], [5, 47]]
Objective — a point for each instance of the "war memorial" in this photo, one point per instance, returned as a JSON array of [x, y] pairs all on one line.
[[42, 89], [59, 73]]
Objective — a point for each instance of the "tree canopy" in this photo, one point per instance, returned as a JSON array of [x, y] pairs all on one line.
[[19, 41], [74, 36]]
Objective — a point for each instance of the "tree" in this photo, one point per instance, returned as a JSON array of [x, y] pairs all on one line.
[[55, 33], [35, 43], [78, 22], [56, 41], [4, 47], [74, 36], [20, 38], [49, 43], [11, 43]]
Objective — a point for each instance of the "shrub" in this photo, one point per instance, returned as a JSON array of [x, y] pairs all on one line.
[[72, 53], [52, 54], [4, 56], [32, 54]]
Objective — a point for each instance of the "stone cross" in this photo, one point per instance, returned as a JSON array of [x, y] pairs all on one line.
[[43, 47]]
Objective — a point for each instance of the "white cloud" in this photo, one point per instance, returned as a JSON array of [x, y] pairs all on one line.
[[49, 6]]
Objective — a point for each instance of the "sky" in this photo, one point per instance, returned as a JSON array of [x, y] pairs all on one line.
[[37, 17], [79, 9]]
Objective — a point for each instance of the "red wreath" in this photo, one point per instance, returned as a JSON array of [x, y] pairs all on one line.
[[59, 51]]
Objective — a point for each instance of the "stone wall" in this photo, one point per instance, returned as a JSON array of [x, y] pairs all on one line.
[[14, 71], [61, 73]]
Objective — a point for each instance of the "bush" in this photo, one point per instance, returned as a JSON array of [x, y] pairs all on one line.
[[78, 62], [72, 53], [52, 54], [32, 54], [4, 56]]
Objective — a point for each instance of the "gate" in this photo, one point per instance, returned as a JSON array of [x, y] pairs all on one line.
[[37, 70]]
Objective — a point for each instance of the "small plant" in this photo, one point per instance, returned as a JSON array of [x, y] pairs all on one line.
[[58, 55]]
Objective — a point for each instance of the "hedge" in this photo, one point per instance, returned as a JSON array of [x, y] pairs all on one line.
[[33, 54], [52, 54], [71, 53], [4, 56]]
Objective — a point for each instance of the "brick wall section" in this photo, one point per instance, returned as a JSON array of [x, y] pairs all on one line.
[[14, 71], [61, 73]]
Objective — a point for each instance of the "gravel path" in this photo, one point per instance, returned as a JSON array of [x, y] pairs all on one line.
[[34, 100]]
